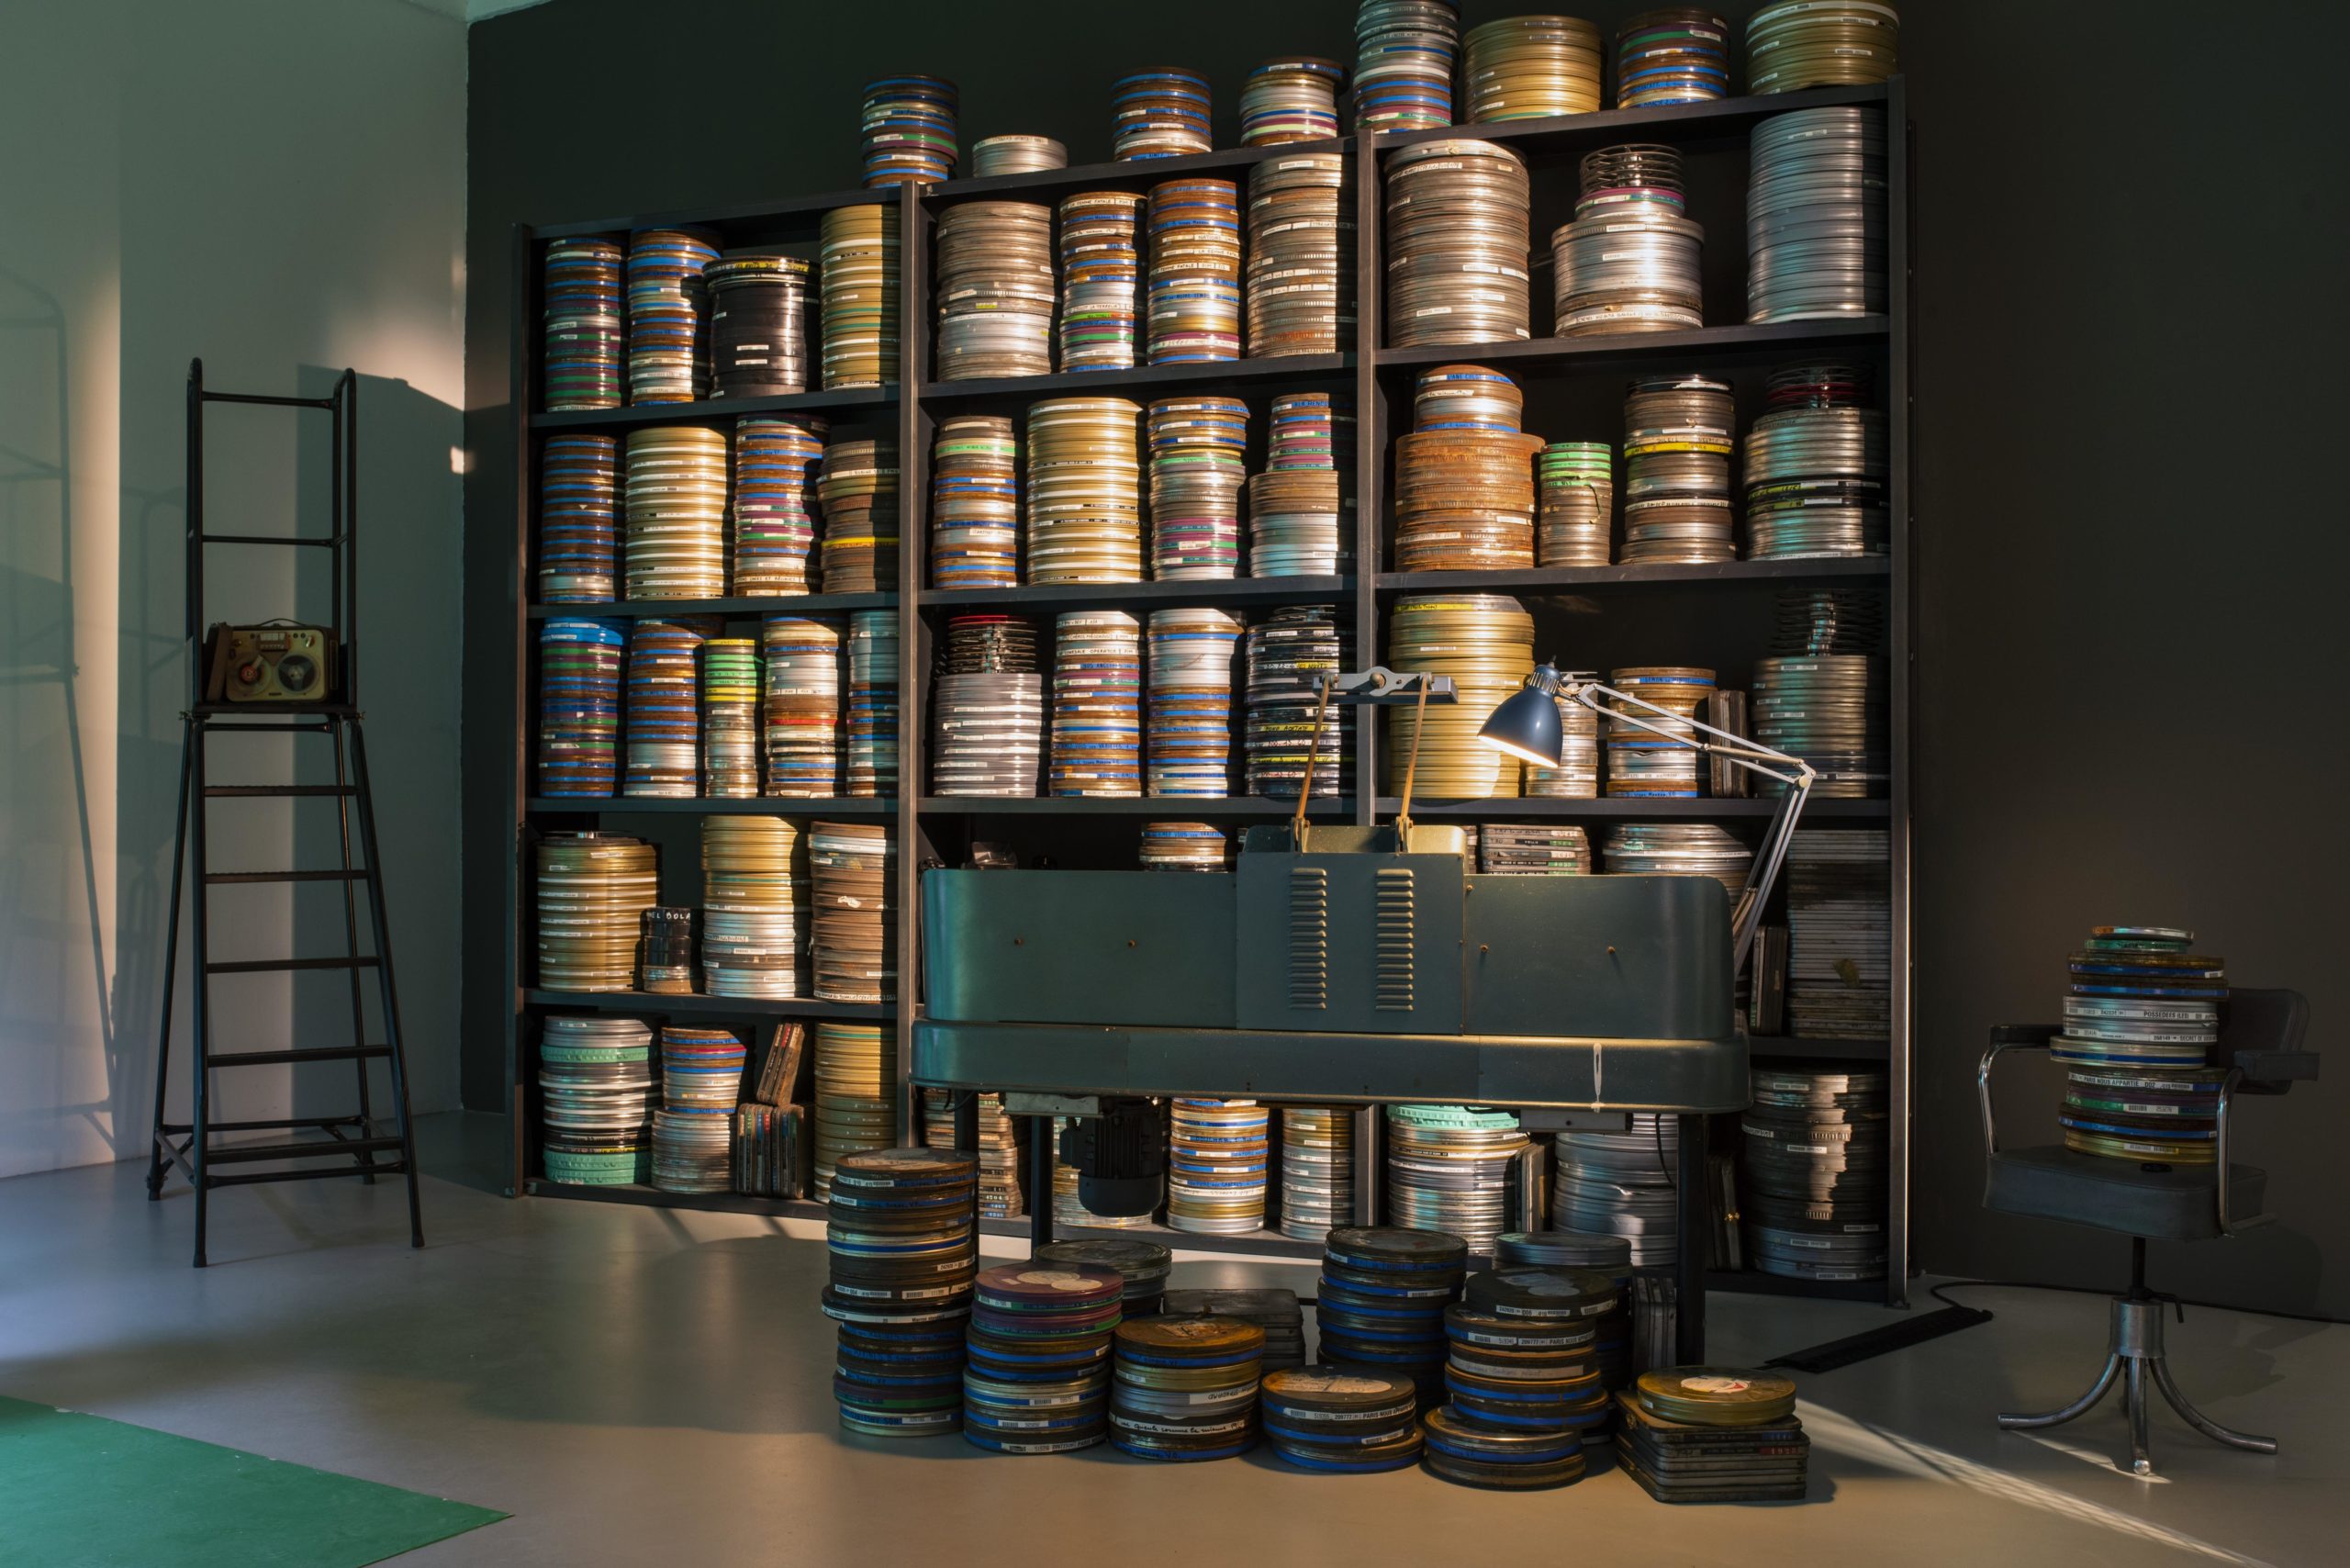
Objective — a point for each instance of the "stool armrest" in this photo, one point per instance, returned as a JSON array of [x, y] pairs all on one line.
[[2006, 1037]]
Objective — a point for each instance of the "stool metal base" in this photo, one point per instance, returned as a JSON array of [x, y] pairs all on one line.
[[2136, 1358]]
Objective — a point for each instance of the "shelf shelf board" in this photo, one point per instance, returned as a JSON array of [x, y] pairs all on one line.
[[711, 1006], [1797, 1047], [1750, 1282], [1537, 581], [749, 213], [637, 414], [1151, 594], [741, 609], [1222, 376], [1609, 351], [1136, 174], [1715, 119], [1701, 808], [1253, 1243], [650, 1197], [702, 806], [1169, 808]]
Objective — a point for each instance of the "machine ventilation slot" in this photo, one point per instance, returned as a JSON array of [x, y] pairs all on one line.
[[1309, 938], [1395, 937]]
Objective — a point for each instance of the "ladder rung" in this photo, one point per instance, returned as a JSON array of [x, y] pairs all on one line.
[[265, 539], [306, 1173], [277, 1126], [306, 1149], [278, 789], [309, 1053], [268, 966], [358, 876]]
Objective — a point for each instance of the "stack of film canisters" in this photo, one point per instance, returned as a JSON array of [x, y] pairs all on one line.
[[1593, 1252], [1340, 1422], [1812, 1172], [1523, 1392], [1382, 1298], [596, 1095], [1276, 1311], [1143, 1265], [579, 509], [1713, 1434], [1185, 1388], [579, 706], [586, 306], [2141, 1017], [1037, 1377], [904, 1238]]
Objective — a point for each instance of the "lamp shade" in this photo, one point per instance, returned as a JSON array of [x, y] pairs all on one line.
[[1525, 726]]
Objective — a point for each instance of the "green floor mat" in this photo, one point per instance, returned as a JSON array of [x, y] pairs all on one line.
[[82, 1492]]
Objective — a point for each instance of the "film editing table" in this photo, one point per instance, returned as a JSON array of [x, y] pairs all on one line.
[[1361, 971]]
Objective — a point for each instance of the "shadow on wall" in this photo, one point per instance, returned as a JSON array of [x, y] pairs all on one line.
[[42, 877]]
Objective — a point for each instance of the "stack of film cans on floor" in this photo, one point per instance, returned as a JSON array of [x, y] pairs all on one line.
[[1595, 1252], [1185, 1388], [2142, 1016], [1382, 1299], [1143, 1265], [1349, 1421], [1713, 1434], [1523, 1388], [1812, 1173], [1037, 1378], [1276, 1311], [903, 1237]]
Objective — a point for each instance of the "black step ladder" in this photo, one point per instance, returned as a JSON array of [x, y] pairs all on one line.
[[311, 1147]]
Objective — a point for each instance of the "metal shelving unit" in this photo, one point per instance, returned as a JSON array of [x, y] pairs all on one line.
[[1378, 379]]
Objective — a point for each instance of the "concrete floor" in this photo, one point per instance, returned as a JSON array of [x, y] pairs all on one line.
[[644, 1386]]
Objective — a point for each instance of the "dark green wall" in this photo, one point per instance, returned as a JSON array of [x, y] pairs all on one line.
[[2130, 336]]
